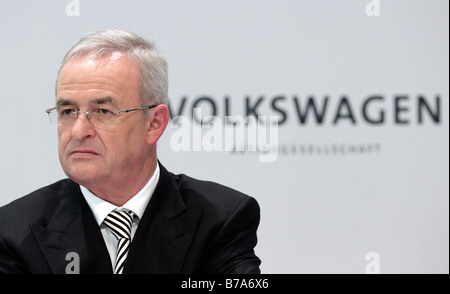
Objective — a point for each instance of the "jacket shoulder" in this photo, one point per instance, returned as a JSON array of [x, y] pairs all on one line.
[[39, 203], [212, 194]]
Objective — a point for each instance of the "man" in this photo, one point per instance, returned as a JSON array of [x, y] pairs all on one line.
[[120, 210]]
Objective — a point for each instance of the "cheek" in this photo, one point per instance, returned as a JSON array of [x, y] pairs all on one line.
[[63, 140], [129, 146]]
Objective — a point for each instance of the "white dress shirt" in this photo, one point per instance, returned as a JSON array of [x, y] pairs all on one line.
[[137, 204]]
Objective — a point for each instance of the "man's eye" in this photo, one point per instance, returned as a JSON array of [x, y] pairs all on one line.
[[65, 112], [104, 111]]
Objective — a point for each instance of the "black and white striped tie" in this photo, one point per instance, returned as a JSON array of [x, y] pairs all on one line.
[[119, 223]]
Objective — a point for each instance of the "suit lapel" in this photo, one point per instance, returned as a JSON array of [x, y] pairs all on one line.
[[72, 229], [160, 245], [165, 231]]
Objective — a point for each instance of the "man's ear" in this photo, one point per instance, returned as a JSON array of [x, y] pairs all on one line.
[[159, 118]]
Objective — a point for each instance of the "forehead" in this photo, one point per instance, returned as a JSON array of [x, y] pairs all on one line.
[[97, 101], [87, 77]]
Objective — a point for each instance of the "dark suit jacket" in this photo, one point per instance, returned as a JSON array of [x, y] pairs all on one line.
[[189, 226]]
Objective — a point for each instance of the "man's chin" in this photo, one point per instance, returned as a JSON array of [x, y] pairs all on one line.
[[85, 178]]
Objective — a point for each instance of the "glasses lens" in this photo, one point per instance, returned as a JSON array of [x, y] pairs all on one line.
[[62, 116], [53, 116], [103, 117]]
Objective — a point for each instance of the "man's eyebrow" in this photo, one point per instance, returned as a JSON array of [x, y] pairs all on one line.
[[102, 100], [62, 102], [65, 102]]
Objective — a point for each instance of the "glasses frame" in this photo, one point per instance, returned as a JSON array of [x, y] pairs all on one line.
[[50, 110]]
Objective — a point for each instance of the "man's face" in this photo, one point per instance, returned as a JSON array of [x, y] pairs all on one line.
[[92, 155]]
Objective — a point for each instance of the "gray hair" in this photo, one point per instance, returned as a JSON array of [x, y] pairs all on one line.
[[152, 66]]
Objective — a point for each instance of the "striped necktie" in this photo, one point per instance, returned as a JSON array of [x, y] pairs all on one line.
[[119, 223]]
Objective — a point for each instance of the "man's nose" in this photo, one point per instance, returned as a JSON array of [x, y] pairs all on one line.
[[82, 128]]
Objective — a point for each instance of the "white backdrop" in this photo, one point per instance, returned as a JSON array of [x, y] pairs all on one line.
[[367, 172]]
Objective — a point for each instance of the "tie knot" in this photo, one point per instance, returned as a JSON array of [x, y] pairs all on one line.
[[119, 223]]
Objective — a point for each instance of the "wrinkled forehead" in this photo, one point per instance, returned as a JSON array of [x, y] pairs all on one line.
[[61, 102], [114, 77]]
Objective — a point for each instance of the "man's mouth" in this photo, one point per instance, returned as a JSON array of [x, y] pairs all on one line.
[[83, 153]]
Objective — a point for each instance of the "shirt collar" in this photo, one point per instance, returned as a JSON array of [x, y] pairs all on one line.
[[137, 204]]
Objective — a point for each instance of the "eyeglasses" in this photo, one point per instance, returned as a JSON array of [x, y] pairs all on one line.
[[101, 116]]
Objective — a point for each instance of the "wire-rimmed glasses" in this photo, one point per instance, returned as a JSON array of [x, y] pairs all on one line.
[[100, 116]]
